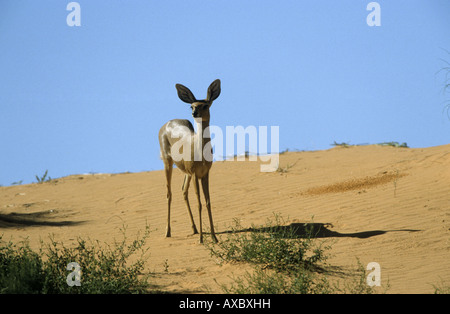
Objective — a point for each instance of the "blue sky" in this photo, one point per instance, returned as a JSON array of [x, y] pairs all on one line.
[[92, 98]]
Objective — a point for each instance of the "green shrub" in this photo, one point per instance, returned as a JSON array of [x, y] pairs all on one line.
[[286, 260], [264, 281], [104, 268], [273, 246], [20, 269]]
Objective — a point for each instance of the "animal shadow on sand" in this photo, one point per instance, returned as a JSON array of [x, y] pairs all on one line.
[[315, 230]]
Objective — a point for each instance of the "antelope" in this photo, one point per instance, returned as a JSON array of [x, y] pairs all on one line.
[[191, 152]]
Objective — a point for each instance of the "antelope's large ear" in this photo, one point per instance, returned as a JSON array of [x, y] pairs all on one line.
[[213, 91], [185, 94]]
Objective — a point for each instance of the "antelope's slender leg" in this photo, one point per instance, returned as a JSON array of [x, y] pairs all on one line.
[[205, 186], [168, 170], [187, 180], [197, 193]]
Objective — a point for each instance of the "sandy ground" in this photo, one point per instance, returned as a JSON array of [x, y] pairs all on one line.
[[376, 204]]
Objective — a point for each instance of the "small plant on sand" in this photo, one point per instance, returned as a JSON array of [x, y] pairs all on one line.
[[166, 265], [104, 268], [441, 288], [394, 144], [286, 168], [285, 258], [43, 178], [273, 246], [343, 144], [21, 269]]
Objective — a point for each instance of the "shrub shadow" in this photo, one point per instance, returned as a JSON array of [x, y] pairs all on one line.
[[43, 218], [315, 230]]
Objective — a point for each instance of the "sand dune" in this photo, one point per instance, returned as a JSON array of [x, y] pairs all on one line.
[[378, 204]]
